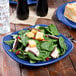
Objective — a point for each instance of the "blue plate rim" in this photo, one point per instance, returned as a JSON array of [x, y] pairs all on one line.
[[29, 2], [37, 64], [61, 19]]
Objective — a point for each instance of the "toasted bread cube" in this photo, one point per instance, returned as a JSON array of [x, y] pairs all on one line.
[[30, 34], [34, 31], [39, 36], [32, 43]]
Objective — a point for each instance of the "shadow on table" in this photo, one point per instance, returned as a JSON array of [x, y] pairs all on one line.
[[34, 68]]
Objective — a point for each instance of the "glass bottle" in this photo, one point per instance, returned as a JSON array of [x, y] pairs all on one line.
[[42, 8], [22, 10], [4, 16]]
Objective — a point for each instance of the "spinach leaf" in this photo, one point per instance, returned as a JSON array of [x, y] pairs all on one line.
[[27, 31], [22, 56], [33, 57], [43, 31], [61, 51], [54, 41], [51, 48], [62, 43], [24, 40], [37, 44], [10, 42], [32, 61], [41, 28], [45, 45], [10, 50], [19, 46], [53, 29], [21, 32], [44, 54], [47, 30]]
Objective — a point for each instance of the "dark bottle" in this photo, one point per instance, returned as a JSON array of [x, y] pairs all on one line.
[[22, 10], [42, 8]]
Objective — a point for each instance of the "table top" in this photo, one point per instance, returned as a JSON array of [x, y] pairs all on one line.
[[64, 67]]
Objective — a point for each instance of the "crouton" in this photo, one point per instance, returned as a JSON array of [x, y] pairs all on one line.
[[32, 43], [30, 34], [34, 31], [39, 36]]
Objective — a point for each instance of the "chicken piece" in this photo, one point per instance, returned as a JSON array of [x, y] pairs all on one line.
[[51, 36], [32, 43], [34, 31], [33, 50], [39, 36], [15, 44], [30, 35], [55, 53]]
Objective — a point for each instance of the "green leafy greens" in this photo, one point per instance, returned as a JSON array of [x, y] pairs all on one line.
[[10, 42], [62, 43], [53, 30], [45, 47]]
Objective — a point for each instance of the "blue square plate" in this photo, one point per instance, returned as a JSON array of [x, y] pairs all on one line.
[[28, 1], [62, 18], [24, 62]]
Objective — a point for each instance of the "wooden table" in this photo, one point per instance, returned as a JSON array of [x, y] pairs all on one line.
[[64, 67]]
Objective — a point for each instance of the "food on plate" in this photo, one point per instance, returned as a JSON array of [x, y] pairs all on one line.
[[33, 50], [43, 44], [30, 34], [15, 44], [51, 36], [70, 11], [39, 35], [32, 43], [34, 31], [55, 53]]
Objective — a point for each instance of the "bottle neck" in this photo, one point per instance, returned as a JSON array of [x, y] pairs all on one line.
[[41, 1], [20, 2]]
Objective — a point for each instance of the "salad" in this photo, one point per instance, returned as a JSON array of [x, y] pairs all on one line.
[[17, 0], [38, 44]]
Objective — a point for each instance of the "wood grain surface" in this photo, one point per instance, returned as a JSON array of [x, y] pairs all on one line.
[[64, 67]]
